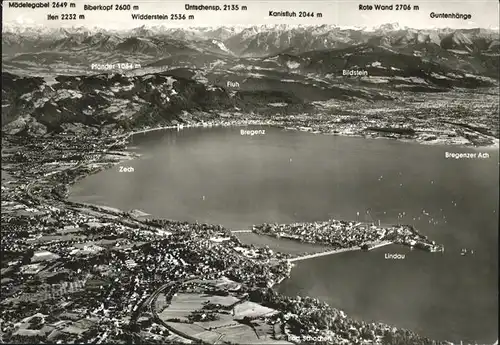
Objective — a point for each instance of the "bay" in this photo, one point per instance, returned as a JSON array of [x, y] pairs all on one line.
[[219, 176]]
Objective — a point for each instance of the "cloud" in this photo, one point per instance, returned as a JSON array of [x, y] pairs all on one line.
[[23, 20]]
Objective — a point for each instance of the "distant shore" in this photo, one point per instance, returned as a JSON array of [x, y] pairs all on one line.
[[323, 129]]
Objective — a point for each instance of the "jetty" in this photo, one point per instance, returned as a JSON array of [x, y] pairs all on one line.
[[328, 252], [337, 251], [378, 245]]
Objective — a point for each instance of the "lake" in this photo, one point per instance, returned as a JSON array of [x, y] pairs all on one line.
[[219, 176]]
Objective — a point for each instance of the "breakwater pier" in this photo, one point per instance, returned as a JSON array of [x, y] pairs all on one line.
[[338, 251]]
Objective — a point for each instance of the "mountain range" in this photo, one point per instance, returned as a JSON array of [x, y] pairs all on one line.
[[252, 41], [50, 75]]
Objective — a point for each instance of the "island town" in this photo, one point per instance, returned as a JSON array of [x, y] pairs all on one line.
[[341, 235]]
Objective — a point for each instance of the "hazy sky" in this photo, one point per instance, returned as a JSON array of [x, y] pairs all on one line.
[[485, 13]]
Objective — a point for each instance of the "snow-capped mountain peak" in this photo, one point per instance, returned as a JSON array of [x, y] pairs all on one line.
[[221, 46]]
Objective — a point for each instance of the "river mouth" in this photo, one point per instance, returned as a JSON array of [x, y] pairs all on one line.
[[222, 176]]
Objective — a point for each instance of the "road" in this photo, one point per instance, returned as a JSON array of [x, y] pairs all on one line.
[[169, 295]]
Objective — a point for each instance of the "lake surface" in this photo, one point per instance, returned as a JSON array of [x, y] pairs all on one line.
[[219, 176]]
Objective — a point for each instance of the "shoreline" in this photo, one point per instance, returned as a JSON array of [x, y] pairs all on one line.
[[291, 127]]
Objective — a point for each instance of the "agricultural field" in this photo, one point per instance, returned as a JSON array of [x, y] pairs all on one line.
[[215, 319]]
